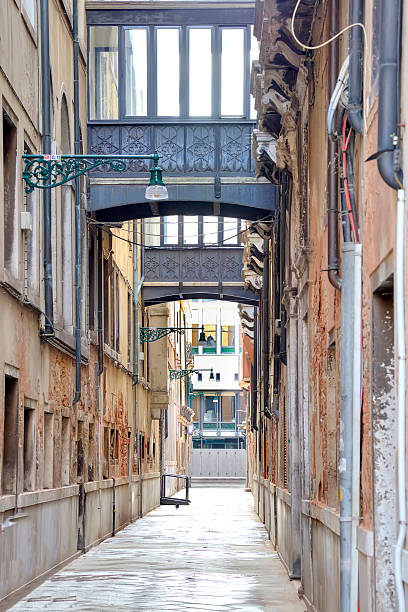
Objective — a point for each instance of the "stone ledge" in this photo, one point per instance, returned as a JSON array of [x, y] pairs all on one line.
[[32, 498], [284, 495], [327, 516], [365, 541]]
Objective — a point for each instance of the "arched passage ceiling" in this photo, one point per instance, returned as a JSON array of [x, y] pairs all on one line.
[[123, 202]]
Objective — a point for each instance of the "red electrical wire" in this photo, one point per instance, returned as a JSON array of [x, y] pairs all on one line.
[[346, 186]]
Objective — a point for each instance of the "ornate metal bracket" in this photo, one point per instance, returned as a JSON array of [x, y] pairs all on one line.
[[178, 374], [47, 171], [151, 334]]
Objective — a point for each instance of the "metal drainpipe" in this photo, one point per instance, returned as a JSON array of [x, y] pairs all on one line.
[[46, 145], [350, 406], [355, 115], [265, 330], [388, 94], [100, 305], [136, 412], [77, 395], [332, 186]]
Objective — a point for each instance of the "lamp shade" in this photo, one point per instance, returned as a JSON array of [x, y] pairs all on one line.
[[202, 339], [210, 341], [212, 374], [156, 189]]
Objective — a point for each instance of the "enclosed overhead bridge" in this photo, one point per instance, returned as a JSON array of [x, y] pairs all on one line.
[[181, 60]]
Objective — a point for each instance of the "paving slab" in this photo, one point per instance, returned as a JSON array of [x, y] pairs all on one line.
[[211, 556]]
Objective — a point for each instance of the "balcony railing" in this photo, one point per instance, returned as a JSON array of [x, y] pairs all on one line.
[[199, 149]]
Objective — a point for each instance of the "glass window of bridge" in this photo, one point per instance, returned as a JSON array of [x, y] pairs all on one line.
[[230, 231], [232, 72], [200, 72], [147, 72], [103, 72], [190, 230], [168, 72], [210, 230], [136, 71], [170, 230]]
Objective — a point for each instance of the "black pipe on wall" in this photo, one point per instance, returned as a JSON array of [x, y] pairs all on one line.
[[46, 145], [388, 95], [355, 93], [265, 329], [332, 165], [77, 395], [100, 308]]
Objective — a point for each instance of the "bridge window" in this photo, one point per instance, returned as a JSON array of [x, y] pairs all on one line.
[[192, 230], [170, 227], [103, 72], [168, 72], [200, 54], [210, 330], [136, 71], [148, 72], [232, 72]]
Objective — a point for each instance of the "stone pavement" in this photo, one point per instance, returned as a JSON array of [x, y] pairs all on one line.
[[211, 556]]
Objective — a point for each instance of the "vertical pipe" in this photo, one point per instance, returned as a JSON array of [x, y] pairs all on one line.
[[99, 412], [265, 329], [355, 114], [77, 395], [350, 406], [46, 143], [332, 185], [136, 412], [401, 394], [100, 303]]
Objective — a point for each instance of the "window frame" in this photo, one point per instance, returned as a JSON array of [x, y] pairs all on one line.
[[200, 243], [184, 117]]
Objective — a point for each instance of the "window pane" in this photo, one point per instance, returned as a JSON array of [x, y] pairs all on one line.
[[227, 339], [230, 231], [210, 230], [200, 72], [190, 229], [168, 69], [228, 408], [152, 232], [136, 72], [170, 230], [194, 337], [254, 55], [103, 71], [210, 330], [210, 409], [232, 72]]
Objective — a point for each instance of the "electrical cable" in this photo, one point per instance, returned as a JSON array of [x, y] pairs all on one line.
[[106, 227], [323, 44], [345, 144]]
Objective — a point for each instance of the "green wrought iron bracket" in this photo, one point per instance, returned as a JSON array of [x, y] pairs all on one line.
[[47, 171], [178, 374], [151, 334]]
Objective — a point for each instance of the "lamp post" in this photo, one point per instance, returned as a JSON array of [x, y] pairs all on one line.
[[48, 171]]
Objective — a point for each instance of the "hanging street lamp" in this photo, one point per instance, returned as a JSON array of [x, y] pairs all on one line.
[[48, 171]]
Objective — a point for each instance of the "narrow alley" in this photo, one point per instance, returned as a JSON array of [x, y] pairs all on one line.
[[210, 556]]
